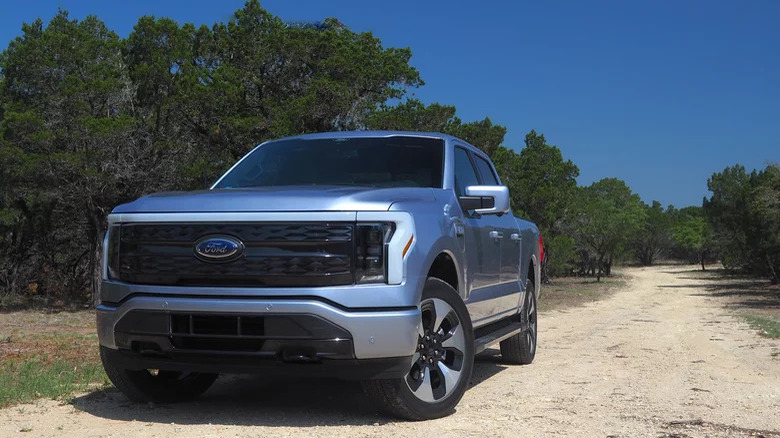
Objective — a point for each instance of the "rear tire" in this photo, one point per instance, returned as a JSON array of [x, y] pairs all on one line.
[[521, 348], [160, 386], [441, 367]]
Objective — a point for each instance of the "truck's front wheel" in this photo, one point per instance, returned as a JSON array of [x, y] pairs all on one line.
[[441, 367], [154, 385]]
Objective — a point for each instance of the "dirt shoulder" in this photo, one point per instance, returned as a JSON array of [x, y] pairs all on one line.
[[755, 300], [567, 292], [661, 356]]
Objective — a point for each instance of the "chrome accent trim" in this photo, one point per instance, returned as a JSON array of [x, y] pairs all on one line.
[[203, 254], [104, 262], [303, 216], [500, 194]]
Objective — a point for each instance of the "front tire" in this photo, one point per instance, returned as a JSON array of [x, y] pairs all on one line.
[[441, 367], [521, 348], [154, 386]]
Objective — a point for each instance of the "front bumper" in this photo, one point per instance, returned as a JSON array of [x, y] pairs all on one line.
[[373, 333], [348, 369]]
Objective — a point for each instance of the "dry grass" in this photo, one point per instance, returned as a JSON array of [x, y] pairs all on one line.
[[564, 292], [45, 354]]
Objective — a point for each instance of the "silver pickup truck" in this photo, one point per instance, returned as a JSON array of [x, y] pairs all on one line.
[[388, 257]]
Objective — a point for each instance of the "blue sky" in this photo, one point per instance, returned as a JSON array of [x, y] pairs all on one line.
[[660, 94]]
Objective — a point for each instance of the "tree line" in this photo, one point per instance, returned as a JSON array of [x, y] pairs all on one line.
[[90, 120]]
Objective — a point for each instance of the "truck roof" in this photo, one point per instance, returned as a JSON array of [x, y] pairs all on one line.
[[375, 134]]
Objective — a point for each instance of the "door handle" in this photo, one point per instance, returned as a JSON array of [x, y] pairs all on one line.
[[496, 234], [516, 237], [460, 230]]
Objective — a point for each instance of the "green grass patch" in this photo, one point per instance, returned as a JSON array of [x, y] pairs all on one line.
[[767, 327], [48, 354], [23, 380]]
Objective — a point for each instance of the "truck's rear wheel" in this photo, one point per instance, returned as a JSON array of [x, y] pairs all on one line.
[[441, 367], [521, 348], [154, 385]]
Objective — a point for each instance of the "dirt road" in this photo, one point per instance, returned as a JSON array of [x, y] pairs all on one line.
[[661, 357]]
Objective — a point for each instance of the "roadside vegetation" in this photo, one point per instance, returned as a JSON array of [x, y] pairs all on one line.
[[566, 292], [48, 355], [766, 326]]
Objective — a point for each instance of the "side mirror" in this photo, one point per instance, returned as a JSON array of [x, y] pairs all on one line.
[[486, 199]]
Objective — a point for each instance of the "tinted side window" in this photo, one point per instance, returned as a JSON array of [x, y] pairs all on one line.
[[464, 172], [486, 172]]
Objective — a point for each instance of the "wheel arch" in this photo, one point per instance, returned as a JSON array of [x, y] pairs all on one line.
[[445, 266], [534, 268]]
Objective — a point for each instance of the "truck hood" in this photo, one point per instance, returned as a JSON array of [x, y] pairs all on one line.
[[315, 198]]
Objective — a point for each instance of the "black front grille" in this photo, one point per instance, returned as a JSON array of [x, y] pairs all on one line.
[[276, 254], [283, 336], [251, 333], [265, 326]]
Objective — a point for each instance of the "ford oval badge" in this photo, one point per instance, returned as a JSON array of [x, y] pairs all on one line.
[[219, 248]]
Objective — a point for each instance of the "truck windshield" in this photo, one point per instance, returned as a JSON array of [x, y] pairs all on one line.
[[372, 162]]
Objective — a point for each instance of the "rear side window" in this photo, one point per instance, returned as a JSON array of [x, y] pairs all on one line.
[[464, 172], [486, 172]]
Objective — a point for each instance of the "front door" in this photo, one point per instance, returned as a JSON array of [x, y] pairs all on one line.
[[482, 254], [483, 236]]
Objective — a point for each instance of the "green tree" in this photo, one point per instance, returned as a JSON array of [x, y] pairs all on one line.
[[727, 210], [608, 216], [483, 134], [654, 235], [72, 148], [743, 212], [765, 209], [543, 186], [413, 115], [692, 234]]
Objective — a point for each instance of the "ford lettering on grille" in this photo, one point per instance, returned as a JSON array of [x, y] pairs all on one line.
[[218, 248]]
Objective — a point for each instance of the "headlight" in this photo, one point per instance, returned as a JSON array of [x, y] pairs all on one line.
[[112, 253], [371, 251]]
